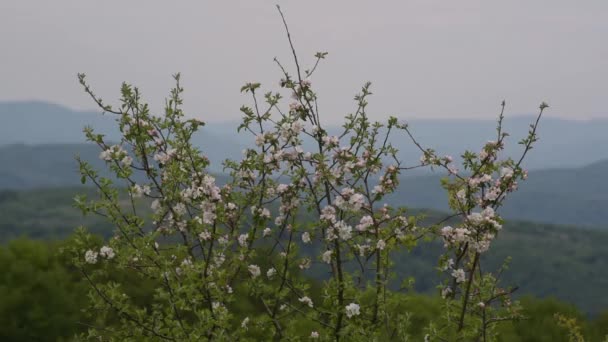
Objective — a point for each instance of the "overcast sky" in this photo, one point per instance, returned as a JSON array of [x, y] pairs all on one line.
[[426, 58]]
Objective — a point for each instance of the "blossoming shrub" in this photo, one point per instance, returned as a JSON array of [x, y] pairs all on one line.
[[209, 248]]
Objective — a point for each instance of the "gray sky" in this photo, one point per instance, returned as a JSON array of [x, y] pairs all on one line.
[[425, 58]]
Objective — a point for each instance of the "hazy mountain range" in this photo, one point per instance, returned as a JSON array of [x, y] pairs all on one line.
[[38, 142], [563, 144]]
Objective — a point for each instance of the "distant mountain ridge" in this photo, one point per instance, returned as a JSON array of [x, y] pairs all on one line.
[[38, 142], [573, 196], [563, 143]]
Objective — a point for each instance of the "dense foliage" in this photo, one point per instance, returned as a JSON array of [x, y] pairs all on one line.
[[43, 296], [202, 246], [572, 258]]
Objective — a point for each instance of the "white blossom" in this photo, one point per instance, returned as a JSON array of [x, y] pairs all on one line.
[[127, 161], [506, 172], [306, 301], [90, 257], [107, 252], [244, 323], [306, 237], [106, 155], [267, 232], [326, 256], [243, 240], [271, 272], [156, 206], [352, 309], [381, 244], [459, 275], [254, 270]]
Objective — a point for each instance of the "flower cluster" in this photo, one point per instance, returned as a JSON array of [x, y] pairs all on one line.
[[302, 201]]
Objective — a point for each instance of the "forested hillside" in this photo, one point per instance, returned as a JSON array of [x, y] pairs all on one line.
[[571, 196], [567, 262]]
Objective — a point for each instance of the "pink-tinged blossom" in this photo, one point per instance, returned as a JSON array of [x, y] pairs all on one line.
[[331, 141], [208, 209], [282, 188], [488, 213], [349, 200], [364, 223], [106, 155], [506, 172], [447, 231], [378, 189], [485, 178], [344, 230], [306, 82], [205, 236], [328, 214], [381, 245], [461, 234], [475, 218], [474, 182], [163, 157], [314, 335], [179, 208], [259, 139], [492, 194], [295, 106], [115, 151]]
